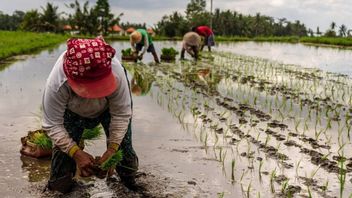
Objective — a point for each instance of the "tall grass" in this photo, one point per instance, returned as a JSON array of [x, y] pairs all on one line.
[[16, 43], [328, 41]]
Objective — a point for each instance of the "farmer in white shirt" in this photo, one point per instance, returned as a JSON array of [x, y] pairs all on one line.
[[87, 86]]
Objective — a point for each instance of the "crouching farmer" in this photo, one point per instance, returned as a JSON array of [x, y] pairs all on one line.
[[87, 87], [191, 43], [140, 39], [207, 34]]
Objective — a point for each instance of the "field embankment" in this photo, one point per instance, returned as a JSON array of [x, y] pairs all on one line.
[[16, 43]]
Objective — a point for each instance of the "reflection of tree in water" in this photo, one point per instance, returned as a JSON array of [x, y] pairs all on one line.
[[38, 169], [141, 82]]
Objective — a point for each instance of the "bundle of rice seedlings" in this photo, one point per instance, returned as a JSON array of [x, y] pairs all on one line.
[[92, 134], [113, 161], [41, 139]]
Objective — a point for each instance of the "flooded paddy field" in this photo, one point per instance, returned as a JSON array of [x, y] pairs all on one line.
[[231, 125]]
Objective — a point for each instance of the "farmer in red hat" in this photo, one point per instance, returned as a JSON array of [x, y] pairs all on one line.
[[87, 86], [207, 34]]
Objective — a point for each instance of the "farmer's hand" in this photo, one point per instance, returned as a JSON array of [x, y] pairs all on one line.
[[140, 57], [85, 163], [107, 154]]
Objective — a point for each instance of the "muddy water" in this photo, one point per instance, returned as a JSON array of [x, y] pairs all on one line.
[[172, 162], [172, 159]]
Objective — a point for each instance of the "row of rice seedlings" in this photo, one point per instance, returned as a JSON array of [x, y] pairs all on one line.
[[221, 155], [317, 134]]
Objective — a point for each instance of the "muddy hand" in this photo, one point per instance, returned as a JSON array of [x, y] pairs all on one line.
[[107, 154], [84, 162]]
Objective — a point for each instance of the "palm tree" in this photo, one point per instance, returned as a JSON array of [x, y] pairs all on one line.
[[342, 30], [332, 25], [349, 33], [318, 31]]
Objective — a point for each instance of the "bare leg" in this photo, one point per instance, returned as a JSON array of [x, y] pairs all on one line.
[[156, 58], [201, 49], [195, 51], [183, 53]]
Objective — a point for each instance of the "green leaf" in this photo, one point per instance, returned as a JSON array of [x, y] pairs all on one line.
[[113, 161]]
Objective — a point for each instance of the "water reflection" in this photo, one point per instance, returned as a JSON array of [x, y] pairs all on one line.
[[37, 169], [141, 82], [328, 59], [202, 76]]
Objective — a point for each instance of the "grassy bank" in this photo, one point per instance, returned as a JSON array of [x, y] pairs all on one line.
[[16, 43], [344, 42]]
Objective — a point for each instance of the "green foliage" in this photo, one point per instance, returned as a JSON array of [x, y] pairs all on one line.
[[50, 18], [31, 21], [15, 43], [327, 40], [11, 22], [103, 11], [92, 134], [173, 25], [113, 161], [126, 52], [41, 139], [169, 52], [47, 21], [196, 13], [92, 20]]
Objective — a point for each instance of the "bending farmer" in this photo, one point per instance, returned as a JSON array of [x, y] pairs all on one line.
[[207, 35], [140, 39], [191, 43], [87, 87]]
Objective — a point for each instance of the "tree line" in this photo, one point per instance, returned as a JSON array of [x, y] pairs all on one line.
[[97, 19]]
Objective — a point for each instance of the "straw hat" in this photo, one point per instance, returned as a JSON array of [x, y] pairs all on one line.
[[136, 37]]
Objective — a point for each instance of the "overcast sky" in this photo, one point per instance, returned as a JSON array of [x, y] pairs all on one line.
[[312, 12]]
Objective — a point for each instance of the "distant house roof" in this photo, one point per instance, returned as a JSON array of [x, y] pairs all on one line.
[[67, 27], [116, 28], [130, 30]]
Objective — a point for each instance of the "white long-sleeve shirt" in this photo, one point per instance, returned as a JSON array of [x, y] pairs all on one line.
[[58, 96]]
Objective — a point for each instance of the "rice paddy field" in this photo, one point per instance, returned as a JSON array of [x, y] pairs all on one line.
[[248, 120]]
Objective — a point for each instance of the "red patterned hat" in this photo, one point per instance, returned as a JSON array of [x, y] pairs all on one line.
[[87, 65]]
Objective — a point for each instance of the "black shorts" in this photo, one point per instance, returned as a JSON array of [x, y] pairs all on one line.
[[139, 47]]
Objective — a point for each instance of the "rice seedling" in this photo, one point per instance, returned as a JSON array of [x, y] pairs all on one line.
[[326, 185], [249, 189], [284, 188], [297, 123], [233, 166], [92, 134], [342, 176], [267, 139], [260, 169], [272, 178], [221, 195], [113, 161], [40, 139], [243, 174]]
